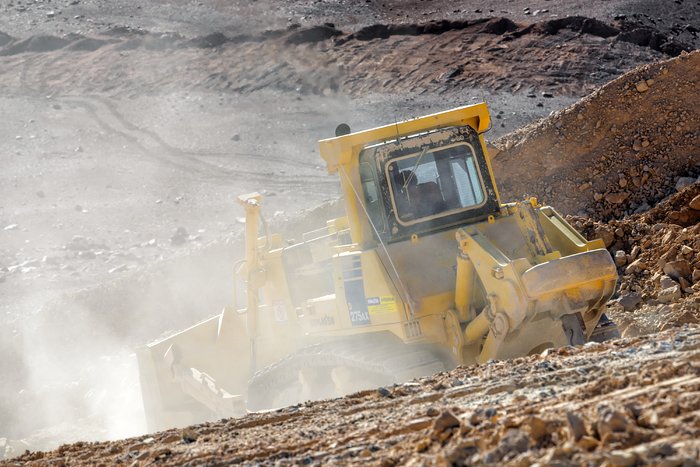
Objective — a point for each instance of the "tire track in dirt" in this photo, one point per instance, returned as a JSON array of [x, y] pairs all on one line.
[[111, 121], [152, 145], [190, 154]]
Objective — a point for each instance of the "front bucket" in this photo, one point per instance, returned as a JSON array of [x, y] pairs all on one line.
[[196, 375]]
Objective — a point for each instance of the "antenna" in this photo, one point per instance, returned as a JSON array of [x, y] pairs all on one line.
[[398, 135]]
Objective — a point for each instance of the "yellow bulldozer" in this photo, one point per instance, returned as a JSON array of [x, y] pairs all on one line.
[[427, 270]]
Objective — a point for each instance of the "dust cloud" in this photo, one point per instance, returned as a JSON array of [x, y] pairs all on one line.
[[73, 373]]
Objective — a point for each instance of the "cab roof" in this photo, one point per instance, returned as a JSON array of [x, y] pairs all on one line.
[[343, 150]]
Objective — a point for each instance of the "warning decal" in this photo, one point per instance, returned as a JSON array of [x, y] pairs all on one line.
[[383, 304]]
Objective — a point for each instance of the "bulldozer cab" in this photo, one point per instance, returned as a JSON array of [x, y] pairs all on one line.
[[425, 183], [415, 177]]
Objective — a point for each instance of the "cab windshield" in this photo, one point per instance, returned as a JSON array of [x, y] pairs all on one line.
[[435, 183]]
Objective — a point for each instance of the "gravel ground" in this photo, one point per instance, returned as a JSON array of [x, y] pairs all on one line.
[[630, 402]]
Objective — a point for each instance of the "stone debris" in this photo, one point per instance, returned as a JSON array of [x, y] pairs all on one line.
[[670, 294], [577, 427], [695, 203], [660, 270], [620, 258], [628, 402], [684, 182], [642, 86], [630, 164], [677, 269], [179, 237], [445, 421], [629, 301], [189, 435]]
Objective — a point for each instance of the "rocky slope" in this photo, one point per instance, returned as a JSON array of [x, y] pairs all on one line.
[[658, 262], [618, 151], [631, 402], [630, 145]]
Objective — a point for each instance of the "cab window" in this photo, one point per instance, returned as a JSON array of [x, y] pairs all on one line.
[[435, 183], [373, 200]]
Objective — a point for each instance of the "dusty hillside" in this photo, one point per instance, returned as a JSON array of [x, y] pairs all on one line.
[[564, 56], [620, 150]]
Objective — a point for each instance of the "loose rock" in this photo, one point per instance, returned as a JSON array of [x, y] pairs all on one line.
[[641, 86], [684, 182], [445, 421], [620, 258], [695, 203], [576, 426], [629, 301], [616, 198], [180, 237], [670, 294], [677, 269]]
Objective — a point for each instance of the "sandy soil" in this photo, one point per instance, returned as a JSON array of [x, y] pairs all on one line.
[[124, 121]]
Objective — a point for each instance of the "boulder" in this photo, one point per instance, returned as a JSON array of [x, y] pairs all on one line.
[[677, 269], [629, 301], [695, 203], [684, 182], [670, 294]]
